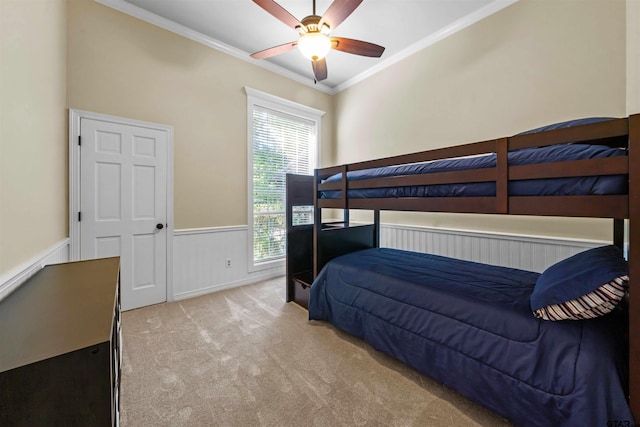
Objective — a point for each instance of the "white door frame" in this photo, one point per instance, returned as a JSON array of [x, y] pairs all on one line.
[[74, 183]]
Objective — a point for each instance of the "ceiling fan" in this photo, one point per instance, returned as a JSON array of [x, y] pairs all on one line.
[[314, 41]]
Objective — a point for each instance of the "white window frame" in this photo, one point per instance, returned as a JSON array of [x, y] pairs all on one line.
[[259, 99]]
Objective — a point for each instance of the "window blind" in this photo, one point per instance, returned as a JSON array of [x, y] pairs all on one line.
[[282, 144]]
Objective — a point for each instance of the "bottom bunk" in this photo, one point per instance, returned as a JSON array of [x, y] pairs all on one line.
[[471, 327]]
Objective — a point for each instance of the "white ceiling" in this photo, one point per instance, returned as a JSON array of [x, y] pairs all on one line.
[[241, 27]]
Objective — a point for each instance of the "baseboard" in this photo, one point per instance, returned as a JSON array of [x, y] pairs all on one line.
[[526, 252], [200, 261], [11, 280], [228, 285]]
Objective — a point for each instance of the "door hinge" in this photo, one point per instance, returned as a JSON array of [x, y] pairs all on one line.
[[79, 216], [79, 140]]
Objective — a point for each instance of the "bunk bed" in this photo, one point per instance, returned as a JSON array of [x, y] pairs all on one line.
[[496, 334]]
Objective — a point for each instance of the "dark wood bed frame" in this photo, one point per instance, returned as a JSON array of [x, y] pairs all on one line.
[[334, 239]]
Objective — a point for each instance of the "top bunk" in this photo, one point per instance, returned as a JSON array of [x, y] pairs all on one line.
[[579, 168]]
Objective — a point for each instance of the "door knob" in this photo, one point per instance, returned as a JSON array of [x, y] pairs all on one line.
[[159, 226]]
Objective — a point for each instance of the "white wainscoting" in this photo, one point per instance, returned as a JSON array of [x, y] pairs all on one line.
[[200, 257], [530, 253], [11, 280]]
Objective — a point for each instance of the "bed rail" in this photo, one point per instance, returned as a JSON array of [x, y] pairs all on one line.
[[613, 133]]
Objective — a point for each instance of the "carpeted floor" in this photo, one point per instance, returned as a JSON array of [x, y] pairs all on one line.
[[245, 357]]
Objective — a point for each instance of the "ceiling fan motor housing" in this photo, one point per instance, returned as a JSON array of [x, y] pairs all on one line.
[[310, 25]]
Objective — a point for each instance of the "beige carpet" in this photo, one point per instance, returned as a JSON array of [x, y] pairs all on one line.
[[244, 357]]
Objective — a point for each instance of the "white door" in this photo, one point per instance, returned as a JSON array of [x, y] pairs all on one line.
[[123, 205]]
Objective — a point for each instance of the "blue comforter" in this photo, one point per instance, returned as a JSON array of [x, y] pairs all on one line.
[[590, 185], [469, 326]]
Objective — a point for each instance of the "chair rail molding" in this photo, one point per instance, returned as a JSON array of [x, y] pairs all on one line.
[[11, 280]]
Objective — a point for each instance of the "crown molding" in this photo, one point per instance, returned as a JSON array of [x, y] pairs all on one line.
[[167, 24], [140, 13], [441, 34]]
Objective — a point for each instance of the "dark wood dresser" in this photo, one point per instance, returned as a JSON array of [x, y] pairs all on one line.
[[60, 351]]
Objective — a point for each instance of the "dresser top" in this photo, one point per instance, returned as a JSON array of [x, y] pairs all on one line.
[[62, 308]]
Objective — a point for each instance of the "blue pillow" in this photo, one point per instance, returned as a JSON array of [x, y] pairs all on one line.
[[585, 285]]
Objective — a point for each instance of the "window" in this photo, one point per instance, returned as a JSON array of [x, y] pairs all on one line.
[[283, 138]]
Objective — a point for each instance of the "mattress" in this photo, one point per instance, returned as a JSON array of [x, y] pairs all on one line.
[[591, 185], [469, 326]]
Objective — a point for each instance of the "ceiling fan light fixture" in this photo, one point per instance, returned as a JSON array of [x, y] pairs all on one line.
[[315, 45], [314, 41]]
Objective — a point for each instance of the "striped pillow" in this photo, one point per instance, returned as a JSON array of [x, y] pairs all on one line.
[[585, 285], [594, 304]]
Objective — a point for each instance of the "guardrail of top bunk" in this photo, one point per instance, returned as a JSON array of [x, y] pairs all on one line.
[[604, 206], [491, 204], [613, 133], [610, 132]]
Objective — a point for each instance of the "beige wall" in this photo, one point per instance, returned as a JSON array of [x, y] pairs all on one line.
[[122, 66], [33, 130], [533, 63]]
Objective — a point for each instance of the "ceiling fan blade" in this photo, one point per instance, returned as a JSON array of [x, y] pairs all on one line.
[[273, 51], [319, 69], [279, 12], [357, 47], [338, 12]]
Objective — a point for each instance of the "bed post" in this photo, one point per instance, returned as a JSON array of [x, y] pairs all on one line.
[[345, 199], [502, 175], [317, 222], [376, 231], [618, 232], [634, 265]]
